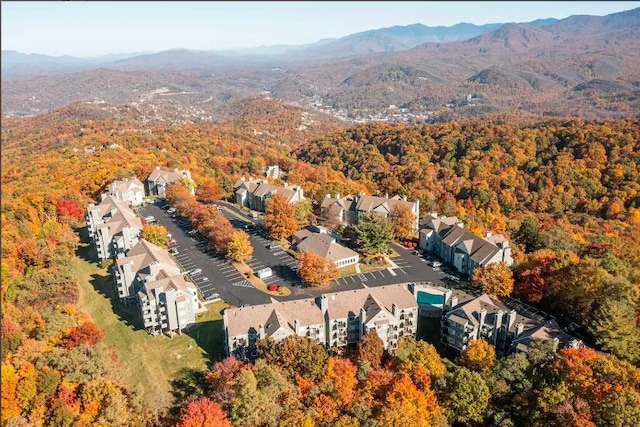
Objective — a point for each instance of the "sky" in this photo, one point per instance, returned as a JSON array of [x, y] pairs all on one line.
[[92, 28]]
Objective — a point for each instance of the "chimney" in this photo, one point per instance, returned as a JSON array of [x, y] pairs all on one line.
[[261, 331], [460, 224], [327, 196], [394, 310], [404, 198], [454, 301], [519, 329], [363, 315], [157, 168], [323, 302], [337, 195], [286, 184], [489, 234], [386, 196], [483, 316], [499, 315], [296, 326], [511, 318]]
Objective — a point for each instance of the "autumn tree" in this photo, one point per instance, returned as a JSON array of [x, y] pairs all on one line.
[[295, 355], [341, 373], [202, 412], [208, 192], [239, 248], [156, 234], [315, 269], [414, 353], [302, 212], [466, 397], [370, 349], [70, 211], [406, 405], [280, 217], [494, 279], [87, 333], [615, 330], [403, 220], [373, 233], [477, 356]]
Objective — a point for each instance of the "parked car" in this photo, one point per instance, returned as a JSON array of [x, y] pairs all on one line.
[[273, 246], [204, 279], [172, 242], [172, 210], [435, 264], [196, 271]]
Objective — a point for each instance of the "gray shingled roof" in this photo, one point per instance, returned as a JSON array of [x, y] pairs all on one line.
[[325, 246]]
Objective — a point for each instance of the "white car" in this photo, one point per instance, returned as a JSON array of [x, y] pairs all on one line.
[[196, 271], [204, 279], [436, 264]]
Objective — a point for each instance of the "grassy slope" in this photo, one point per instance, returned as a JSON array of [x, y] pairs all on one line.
[[148, 363]]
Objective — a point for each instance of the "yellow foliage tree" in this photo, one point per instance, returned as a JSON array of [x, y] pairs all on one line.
[[156, 234], [478, 355], [403, 221], [239, 248], [494, 279]]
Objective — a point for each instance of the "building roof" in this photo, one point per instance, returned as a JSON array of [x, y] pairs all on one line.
[[126, 185], [241, 319], [168, 177], [479, 250], [307, 311], [261, 188], [119, 222], [340, 304], [376, 203], [325, 246], [165, 284], [143, 254]]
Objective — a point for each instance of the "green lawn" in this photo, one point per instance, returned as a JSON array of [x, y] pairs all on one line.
[[147, 362]]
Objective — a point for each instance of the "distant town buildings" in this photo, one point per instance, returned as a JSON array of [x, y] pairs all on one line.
[[253, 194], [447, 238]]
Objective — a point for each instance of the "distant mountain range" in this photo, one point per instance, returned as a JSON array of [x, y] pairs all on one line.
[[392, 39], [580, 65]]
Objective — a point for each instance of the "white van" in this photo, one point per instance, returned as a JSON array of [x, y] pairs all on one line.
[[264, 273]]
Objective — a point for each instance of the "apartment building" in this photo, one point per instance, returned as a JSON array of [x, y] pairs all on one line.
[[113, 227], [159, 180], [144, 263], [168, 304], [253, 194], [348, 210], [334, 319], [447, 238], [130, 191]]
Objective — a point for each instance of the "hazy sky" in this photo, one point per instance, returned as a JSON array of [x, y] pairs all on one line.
[[95, 28]]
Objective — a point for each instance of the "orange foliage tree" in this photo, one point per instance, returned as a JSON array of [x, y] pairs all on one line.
[[477, 356], [280, 217], [315, 269], [494, 279]]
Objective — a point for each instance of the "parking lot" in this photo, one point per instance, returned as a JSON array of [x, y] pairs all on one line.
[[218, 279]]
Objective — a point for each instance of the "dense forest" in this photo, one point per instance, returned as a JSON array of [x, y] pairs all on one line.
[[566, 192]]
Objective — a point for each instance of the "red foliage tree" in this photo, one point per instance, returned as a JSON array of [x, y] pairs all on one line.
[[87, 333], [69, 210], [203, 412]]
